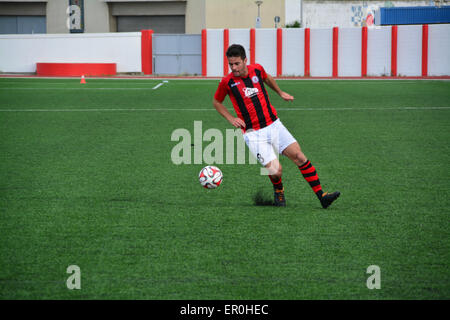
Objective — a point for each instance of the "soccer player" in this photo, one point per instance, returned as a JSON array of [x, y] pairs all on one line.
[[262, 129]]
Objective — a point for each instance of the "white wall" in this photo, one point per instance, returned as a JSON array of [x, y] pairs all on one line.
[[266, 49], [379, 51], [321, 52], [20, 53], [409, 50], [349, 52], [214, 60], [439, 49], [294, 52]]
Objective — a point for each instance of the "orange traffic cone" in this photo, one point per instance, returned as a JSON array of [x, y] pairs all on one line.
[[83, 80]]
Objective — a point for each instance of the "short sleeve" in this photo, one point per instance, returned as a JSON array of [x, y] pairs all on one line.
[[263, 72], [222, 91]]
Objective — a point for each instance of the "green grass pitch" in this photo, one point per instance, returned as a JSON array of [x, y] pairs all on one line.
[[87, 179]]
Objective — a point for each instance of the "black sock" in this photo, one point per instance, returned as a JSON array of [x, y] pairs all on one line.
[[277, 184]]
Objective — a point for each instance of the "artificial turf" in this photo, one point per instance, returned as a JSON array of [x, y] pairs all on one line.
[[87, 178]]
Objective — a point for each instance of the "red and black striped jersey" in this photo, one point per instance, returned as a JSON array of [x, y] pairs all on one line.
[[249, 97]]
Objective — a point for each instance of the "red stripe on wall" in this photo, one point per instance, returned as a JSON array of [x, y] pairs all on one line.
[[307, 51], [226, 41], [364, 52], [252, 46], [146, 51], [424, 50], [279, 52], [335, 51], [204, 53], [394, 51], [75, 69]]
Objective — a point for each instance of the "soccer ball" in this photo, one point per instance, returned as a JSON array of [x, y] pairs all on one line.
[[210, 177]]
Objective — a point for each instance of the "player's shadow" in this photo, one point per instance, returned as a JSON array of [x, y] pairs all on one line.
[[261, 199]]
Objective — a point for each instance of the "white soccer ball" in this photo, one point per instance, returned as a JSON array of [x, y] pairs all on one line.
[[210, 177]]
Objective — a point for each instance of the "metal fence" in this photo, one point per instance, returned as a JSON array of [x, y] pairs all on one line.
[[177, 54]]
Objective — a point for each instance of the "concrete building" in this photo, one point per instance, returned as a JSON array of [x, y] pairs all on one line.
[[183, 16], [163, 16]]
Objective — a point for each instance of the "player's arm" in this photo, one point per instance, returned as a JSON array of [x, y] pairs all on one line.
[[236, 122], [270, 81]]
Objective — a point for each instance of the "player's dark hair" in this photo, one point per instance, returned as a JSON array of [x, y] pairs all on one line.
[[236, 50]]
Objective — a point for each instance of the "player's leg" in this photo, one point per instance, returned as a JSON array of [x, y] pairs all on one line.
[[288, 146], [275, 172], [294, 152], [259, 145]]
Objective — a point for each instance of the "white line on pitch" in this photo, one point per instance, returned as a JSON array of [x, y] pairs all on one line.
[[159, 84], [98, 110], [80, 88]]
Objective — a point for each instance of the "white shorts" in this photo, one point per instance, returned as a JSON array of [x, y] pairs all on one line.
[[263, 143]]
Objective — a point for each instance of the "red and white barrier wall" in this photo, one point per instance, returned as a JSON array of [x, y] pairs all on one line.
[[21, 53], [413, 50]]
